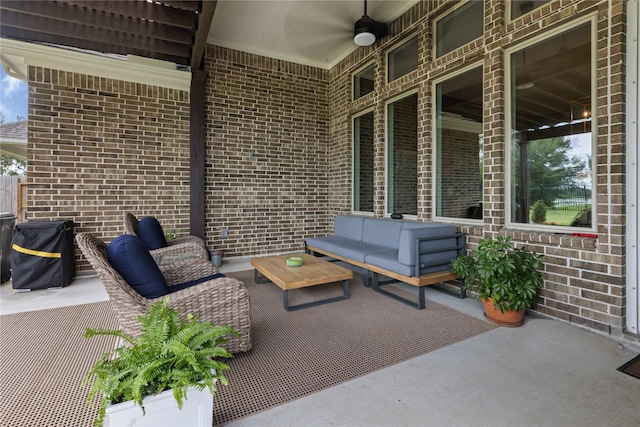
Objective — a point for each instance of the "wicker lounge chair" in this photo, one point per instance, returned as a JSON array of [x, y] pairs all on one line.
[[222, 301]]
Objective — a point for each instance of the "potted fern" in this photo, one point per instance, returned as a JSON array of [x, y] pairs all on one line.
[[506, 279], [165, 376]]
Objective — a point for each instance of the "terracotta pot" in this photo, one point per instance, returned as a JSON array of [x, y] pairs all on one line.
[[508, 318]]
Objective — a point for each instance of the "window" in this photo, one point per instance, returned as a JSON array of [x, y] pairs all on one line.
[[402, 156], [458, 177], [520, 7], [363, 82], [363, 163], [459, 27], [551, 150], [403, 59]]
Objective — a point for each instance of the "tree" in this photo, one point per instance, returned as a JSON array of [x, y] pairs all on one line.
[[539, 212], [10, 165], [552, 170]]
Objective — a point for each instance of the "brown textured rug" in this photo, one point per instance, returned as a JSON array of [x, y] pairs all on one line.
[[43, 357], [632, 367], [43, 360], [298, 353]]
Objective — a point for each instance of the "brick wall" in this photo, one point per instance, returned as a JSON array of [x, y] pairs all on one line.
[[267, 153], [365, 190], [584, 277], [404, 137], [99, 147], [460, 174]]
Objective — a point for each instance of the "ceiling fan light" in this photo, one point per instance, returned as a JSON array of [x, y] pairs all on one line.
[[364, 39], [364, 31], [525, 85]]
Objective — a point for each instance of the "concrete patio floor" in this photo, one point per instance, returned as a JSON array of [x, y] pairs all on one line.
[[546, 373]]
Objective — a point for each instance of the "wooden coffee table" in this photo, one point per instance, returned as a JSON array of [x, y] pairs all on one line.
[[314, 271]]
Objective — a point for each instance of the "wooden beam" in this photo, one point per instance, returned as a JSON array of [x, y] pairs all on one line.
[[153, 11], [197, 153], [36, 36], [202, 32]]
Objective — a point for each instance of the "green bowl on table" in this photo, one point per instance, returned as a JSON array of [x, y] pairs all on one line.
[[294, 261]]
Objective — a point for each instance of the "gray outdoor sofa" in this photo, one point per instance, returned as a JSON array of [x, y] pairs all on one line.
[[417, 253]]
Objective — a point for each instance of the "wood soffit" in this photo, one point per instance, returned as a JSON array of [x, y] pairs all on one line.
[[167, 30]]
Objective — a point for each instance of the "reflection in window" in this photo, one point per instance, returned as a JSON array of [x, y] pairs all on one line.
[[363, 163], [363, 82], [520, 7], [551, 117], [459, 27], [402, 156], [403, 59], [459, 146]]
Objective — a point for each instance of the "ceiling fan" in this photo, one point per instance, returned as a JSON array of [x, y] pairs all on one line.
[[367, 30]]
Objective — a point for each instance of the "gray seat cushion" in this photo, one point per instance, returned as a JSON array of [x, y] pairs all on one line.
[[347, 248], [389, 261]]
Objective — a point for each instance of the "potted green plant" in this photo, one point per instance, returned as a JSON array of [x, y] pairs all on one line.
[[173, 363], [506, 279]]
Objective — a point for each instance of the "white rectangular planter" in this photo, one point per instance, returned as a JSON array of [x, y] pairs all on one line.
[[162, 410]]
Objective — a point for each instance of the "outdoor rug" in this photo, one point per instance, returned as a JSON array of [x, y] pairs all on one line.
[[632, 367], [43, 357], [301, 352], [43, 360]]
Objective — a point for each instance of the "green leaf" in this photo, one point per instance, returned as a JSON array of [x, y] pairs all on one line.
[[496, 269], [172, 352]]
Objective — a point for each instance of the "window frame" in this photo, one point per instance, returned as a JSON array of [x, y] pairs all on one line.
[[546, 35], [395, 46], [436, 147], [353, 162], [509, 8], [389, 101], [353, 77], [434, 29]]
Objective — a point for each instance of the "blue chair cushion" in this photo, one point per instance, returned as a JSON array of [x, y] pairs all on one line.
[[175, 288], [151, 233], [132, 260]]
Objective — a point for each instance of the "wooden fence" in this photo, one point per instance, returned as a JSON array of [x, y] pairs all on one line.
[[13, 196]]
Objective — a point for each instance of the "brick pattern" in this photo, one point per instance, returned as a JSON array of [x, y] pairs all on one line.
[[272, 200], [365, 172], [98, 147], [404, 153], [460, 173], [584, 277]]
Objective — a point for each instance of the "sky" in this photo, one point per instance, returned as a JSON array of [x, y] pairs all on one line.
[[13, 97]]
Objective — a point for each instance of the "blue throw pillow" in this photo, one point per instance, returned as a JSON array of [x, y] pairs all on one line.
[[151, 234], [131, 258]]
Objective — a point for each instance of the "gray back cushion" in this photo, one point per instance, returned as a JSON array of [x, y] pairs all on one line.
[[383, 232], [349, 226]]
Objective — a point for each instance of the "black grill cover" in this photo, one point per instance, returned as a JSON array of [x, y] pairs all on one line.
[[42, 254], [7, 221]]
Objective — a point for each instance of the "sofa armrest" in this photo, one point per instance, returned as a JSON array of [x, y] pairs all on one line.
[[406, 248], [448, 243]]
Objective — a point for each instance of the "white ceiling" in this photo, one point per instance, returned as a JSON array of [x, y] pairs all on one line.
[[311, 32]]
